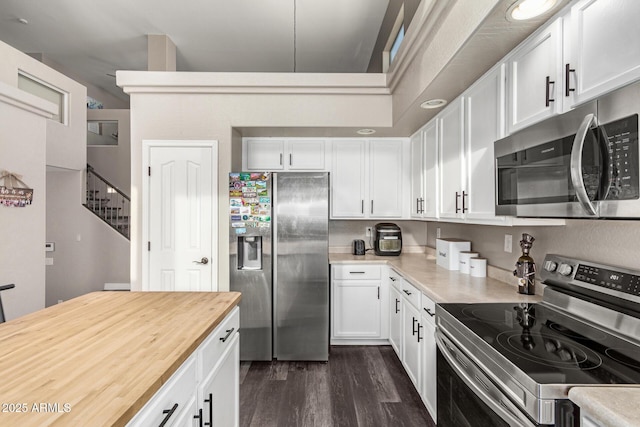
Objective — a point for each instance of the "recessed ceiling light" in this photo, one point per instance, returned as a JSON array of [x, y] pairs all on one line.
[[433, 103], [23, 21], [527, 9], [366, 132]]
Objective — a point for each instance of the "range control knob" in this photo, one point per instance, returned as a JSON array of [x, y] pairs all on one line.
[[565, 269], [550, 265]]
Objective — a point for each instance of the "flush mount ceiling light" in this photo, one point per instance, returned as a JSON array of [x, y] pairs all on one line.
[[366, 132], [527, 9], [23, 21], [433, 103]]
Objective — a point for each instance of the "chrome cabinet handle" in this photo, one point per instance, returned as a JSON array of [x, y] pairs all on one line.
[[576, 164], [548, 99], [168, 413], [203, 261], [229, 332], [567, 81]]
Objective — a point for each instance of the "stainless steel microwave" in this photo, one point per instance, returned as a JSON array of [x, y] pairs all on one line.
[[581, 164]]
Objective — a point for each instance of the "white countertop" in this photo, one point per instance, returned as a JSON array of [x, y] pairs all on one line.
[[609, 406], [438, 283]]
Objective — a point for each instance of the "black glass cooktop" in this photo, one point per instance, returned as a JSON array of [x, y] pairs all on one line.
[[549, 346]]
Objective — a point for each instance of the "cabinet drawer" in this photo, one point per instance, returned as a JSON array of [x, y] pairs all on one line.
[[396, 280], [428, 309], [212, 348], [411, 294], [356, 272], [178, 392]]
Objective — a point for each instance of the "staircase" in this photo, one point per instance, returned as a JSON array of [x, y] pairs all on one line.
[[107, 202]]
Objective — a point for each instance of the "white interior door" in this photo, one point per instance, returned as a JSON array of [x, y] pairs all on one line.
[[181, 209]]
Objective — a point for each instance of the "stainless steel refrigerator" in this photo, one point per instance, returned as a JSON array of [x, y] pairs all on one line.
[[279, 244]]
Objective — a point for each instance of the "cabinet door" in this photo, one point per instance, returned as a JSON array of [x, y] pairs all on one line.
[[395, 321], [428, 384], [265, 154], [410, 345], [356, 309], [535, 79], [385, 190], [220, 391], [483, 122], [348, 179], [605, 46], [306, 154], [451, 160], [417, 174], [431, 179]]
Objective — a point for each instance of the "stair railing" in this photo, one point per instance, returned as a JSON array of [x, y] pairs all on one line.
[[107, 202]]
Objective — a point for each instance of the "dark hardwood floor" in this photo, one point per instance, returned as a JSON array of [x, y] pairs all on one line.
[[359, 386]]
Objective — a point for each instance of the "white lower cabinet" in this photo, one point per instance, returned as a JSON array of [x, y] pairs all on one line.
[[359, 308], [411, 348], [428, 383], [395, 314], [210, 371]]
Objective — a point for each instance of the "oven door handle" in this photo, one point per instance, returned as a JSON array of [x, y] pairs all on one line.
[[576, 164], [502, 407]]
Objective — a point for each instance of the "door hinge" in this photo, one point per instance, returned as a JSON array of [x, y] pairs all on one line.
[[149, 246], [149, 170]]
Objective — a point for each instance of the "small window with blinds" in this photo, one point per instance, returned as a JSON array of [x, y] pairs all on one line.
[[47, 92]]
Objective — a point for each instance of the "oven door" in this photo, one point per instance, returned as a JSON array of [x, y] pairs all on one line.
[[466, 397]]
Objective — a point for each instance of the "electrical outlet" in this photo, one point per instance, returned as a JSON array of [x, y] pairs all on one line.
[[508, 243], [438, 233], [367, 231]]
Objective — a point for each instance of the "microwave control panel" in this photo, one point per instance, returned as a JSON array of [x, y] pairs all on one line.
[[622, 142]]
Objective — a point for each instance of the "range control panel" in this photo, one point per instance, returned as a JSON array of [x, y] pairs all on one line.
[[623, 282], [617, 281]]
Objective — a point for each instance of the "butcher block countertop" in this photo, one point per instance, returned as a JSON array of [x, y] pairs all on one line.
[[97, 359], [438, 283]]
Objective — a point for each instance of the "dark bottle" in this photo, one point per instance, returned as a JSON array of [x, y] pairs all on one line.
[[525, 267]]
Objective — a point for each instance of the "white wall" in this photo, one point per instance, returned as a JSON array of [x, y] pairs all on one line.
[[65, 143], [22, 230], [88, 253], [182, 106], [113, 162]]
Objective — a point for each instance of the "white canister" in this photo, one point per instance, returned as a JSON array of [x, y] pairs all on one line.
[[478, 267], [463, 259]]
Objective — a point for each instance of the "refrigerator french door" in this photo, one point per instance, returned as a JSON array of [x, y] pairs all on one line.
[[279, 261]]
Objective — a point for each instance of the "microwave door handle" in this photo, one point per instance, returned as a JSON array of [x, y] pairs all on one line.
[[504, 409], [576, 164]]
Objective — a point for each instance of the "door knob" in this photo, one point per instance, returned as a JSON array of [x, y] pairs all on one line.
[[203, 261]]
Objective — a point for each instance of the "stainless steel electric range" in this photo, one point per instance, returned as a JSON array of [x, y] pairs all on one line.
[[512, 364]]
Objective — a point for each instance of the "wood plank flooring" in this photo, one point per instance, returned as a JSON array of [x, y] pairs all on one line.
[[359, 386]]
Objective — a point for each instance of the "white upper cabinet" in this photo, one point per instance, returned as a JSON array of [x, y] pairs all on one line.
[[604, 47], [264, 154], [271, 154], [424, 176], [416, 146], [484, 124], [452, 193], [367, 178], [386, 168], [348, 191], [535, 78]]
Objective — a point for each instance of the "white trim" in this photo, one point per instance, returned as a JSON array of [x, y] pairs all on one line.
[[65, 95], [25, 101], [144, 198]]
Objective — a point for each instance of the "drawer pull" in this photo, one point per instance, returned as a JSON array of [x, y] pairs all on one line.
[[414, 325], [406, 292], [210, 402], [397, 301], [429, 312], [226, 337], [198, 417], [393, 279], [168, 413], [356, 272], [419, 337]]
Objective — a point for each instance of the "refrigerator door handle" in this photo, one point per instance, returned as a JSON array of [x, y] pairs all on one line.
[[274, 261]]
